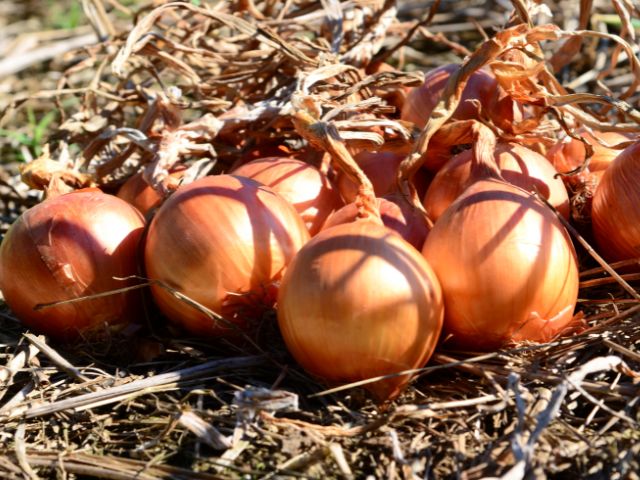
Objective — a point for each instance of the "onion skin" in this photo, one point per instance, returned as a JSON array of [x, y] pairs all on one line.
[[67, 247], [304, 186], [616, 207], [518, 165], [482, 86], [358, 302], [397, 215], [506, 265], [224, 242]]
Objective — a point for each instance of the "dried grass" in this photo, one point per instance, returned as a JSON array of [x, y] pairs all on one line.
[[187, 85]]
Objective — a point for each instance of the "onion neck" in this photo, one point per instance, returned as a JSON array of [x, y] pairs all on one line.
[[484, 166], [326, 136]]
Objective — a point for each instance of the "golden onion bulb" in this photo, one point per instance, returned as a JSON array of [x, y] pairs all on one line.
[[615, 211], [506, 265], [71, 246], [359, 302], [223, 241]]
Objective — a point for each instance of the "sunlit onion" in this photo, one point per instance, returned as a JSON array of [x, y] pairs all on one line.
[[67, 247], [518, 165], [482, 94], [358, 302], [302, 185], [223, 241], [569, 154], [616, 207], [506, 265]]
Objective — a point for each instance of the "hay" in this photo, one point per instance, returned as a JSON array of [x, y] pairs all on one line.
[[186, 85]]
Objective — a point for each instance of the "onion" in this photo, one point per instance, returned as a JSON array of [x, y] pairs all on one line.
[[615, 212], [569, 154], [358, 302], [506, 265], [481, 96], [381, 167], [518, 165], [397, 215], [223, 241], [302, 185], [481, 92], [143, 196], [66, 247]]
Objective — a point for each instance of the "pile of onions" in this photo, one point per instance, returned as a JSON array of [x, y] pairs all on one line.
[[304, 186], [359, 302], [517, 165], [506, 265], [143, 196], [224, 242], [615, 211], [67, 247]]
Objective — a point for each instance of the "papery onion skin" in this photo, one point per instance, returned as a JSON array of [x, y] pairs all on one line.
[[304, 186], [397, 215], [223, 241], [67, 247], [506, 265], [518, 165], [482, 86], [381, 167], [615, 211], [358, 302]]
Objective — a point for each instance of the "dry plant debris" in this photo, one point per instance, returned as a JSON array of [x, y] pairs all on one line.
[[206, 84]]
